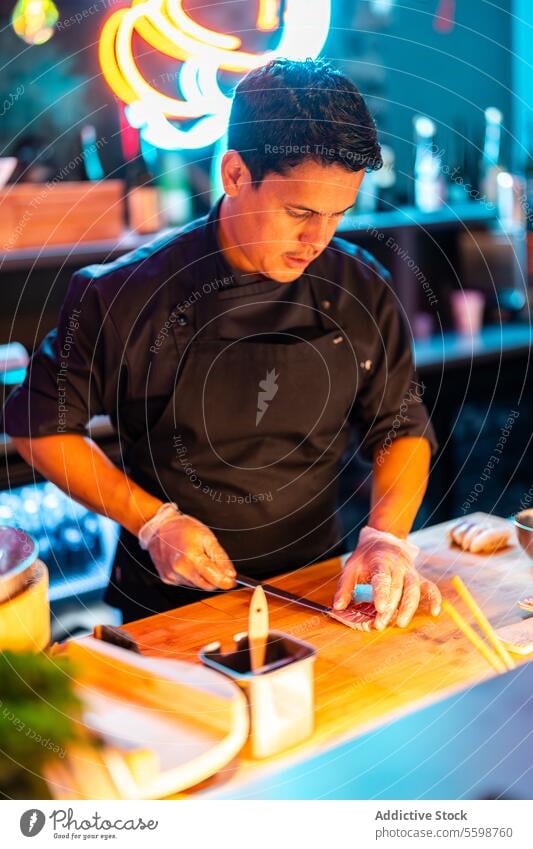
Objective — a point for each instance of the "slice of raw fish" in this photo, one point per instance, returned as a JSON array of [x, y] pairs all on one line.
[[359, 615]]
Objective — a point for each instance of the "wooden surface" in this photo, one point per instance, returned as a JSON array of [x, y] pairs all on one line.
[[36, 214], [362, 680]]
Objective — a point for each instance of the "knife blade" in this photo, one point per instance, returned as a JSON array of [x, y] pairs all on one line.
[[284, 595]]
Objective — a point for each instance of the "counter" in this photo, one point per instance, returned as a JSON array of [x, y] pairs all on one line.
[[364, 681]]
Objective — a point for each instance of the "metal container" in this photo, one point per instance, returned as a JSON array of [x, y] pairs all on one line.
[[280, 694], [524, 528], [18, 552]]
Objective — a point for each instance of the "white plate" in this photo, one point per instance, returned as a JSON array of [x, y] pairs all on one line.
[[157, 749]]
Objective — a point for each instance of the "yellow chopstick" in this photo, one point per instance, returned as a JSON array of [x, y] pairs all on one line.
[[482, 621], [474, 638]]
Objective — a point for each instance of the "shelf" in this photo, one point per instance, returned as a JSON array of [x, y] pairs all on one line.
[[83, 584], [449, 217], [493, 342], [78, 255], [95, 579], [99, 428], [55, 256], [448, 348]]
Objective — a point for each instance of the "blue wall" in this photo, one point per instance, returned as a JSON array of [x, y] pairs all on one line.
[[406, 66]]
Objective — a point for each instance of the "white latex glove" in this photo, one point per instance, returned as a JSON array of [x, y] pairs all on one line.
[[185, 551], [387, 562]]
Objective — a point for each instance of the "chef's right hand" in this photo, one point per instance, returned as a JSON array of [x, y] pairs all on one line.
[[185, 551]]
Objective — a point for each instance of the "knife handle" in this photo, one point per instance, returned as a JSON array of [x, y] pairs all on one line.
[[258, 628]]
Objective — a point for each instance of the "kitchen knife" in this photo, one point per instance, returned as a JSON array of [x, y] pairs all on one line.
[[275, 592]]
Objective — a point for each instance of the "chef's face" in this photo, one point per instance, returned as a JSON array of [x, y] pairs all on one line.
[[278, 227]]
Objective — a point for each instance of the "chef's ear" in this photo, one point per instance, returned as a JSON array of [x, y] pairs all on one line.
[[234, 173]]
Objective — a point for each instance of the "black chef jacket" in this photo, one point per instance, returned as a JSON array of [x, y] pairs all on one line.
[[113, 350]]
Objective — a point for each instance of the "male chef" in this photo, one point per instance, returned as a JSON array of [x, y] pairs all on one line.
[[234, 359]]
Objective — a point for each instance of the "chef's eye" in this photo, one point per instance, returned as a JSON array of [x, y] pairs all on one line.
[[301, 216]]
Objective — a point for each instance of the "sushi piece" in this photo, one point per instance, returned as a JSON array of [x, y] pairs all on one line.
[[480, 537]]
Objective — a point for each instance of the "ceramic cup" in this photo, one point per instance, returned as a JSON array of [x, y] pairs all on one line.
[[467, 311]]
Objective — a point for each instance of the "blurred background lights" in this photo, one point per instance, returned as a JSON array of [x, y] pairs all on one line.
[[34, 20]]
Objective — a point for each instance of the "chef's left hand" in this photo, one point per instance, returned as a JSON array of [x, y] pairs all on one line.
[[387, 562]]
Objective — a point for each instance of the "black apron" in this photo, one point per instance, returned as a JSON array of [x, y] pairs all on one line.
[[249, 443]]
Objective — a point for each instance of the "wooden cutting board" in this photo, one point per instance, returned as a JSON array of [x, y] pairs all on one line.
[[362, 679]]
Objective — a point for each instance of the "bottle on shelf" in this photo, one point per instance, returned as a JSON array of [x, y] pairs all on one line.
[[457, 167], [429, 183], [174, 189], [490, 162], [528, 210], [385, 180], [144, 213]]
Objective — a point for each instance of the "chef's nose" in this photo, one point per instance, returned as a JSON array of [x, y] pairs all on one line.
[[316, 231]]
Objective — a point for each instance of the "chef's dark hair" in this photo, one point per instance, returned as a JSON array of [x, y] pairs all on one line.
[[289, 111]]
